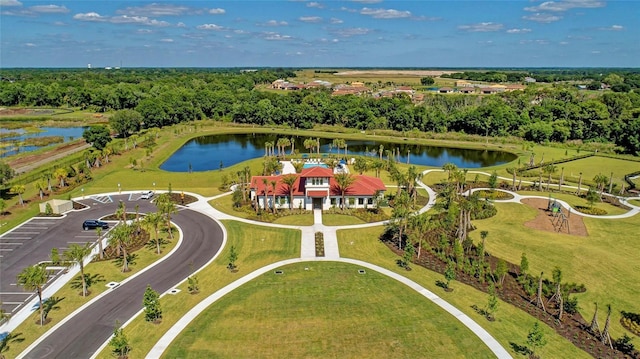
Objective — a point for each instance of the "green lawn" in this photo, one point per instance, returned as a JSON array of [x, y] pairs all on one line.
[[73, 301], [340, 220], [256, 247], [327, 311], [511, 325], [635, 202], [296, 220], [592, 166], [577, 201], [605, 261]]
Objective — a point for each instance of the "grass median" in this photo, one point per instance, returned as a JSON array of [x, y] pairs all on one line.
[[256, 247], [72, 300]]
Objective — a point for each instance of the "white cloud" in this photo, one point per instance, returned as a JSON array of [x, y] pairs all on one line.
[[335, 21], [354, 31], [30, 44], [274, 23], [311, 19], [166, 40], [49, 9], [564, 5], [273, 36], [612, 28], [217, 11], [142, 20], [10, 3], [481, 27], [154, 9], [90, 16], [541, 17], [315, 4], [210, 27], [385, 13], [181, 24], [59, 23], [518, 31], [144, 31]]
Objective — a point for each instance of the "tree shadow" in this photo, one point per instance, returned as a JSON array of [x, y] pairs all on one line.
[[520, 349]]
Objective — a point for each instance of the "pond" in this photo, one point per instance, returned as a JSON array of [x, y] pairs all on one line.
[[12, 138], [214, 151]]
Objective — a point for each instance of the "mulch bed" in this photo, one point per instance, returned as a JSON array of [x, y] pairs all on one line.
[[543, 220], [572, 327], [178, 198]]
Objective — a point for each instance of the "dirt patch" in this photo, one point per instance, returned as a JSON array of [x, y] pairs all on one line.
[[21, 162], [13, 111], [544, 221]]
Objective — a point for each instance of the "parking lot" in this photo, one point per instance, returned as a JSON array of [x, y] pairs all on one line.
[[31, 242]]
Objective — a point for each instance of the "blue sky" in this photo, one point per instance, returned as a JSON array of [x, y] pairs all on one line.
[[358, 33]]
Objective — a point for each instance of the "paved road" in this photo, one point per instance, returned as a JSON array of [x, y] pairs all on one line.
[[81, 336], [32, 242]]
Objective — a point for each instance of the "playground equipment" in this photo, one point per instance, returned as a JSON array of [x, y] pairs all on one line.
[[559, 220]]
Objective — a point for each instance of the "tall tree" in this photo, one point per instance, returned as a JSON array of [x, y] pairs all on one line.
[[165, 205], [97, 136], [19, 190], [125, 122], [274, 184], [549, 169], [120, 237], [153, 220], [34, 278], [60, 174], [76, 254], [7, 339], [289, 181], [343, 183]]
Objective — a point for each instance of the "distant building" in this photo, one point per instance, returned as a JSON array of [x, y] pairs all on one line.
[[515, 87], [467, 90], [445, 90], [529, 80]]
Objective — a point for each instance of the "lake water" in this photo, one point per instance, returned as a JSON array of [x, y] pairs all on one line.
[[67, 133], [209, 152]]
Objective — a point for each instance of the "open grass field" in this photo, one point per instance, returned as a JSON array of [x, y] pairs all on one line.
[[72, 300], [511, 324], [635, 202], [296, 220], [605, 261], [330, 219], [327, 311], [592, 166], [256, 247]]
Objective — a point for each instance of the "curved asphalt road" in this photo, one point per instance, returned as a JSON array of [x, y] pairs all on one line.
[[81, 336]]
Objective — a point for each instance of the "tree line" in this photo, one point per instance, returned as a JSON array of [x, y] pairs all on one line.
[[157, 99]]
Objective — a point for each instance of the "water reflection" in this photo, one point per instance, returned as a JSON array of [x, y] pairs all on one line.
[[209, 152]]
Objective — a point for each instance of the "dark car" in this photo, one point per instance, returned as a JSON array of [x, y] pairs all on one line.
[[93, 224]]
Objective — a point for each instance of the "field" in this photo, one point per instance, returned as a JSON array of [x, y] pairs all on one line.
[[325, 310]]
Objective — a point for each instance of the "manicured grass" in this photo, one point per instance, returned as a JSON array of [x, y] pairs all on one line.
[[605, 261], [511, 324], [325, 310], [592, 166], [256, 247], [635, 202], [296, 220], [577, 201], [340, 220], [72, 300]]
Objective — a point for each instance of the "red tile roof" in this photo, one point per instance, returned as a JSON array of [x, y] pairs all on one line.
[[317, 172], [317, 193], [363, 186]]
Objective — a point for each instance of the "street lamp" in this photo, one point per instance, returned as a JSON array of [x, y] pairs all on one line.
[[119, 192], [82, 190]]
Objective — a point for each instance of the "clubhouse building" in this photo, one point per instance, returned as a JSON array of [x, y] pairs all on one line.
[[315, 188]]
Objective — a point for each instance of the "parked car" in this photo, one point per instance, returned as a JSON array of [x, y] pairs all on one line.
[[146, 195], [93, 224]]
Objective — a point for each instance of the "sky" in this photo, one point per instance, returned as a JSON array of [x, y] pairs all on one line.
[[298, 33]]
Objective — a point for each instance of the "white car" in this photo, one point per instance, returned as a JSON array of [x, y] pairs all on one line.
[[146, 195]]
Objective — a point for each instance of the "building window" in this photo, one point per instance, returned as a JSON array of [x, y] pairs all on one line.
[[333, 201], [360, 201], [370, 200]]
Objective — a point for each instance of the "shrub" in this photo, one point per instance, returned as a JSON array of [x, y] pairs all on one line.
[[591, 210]]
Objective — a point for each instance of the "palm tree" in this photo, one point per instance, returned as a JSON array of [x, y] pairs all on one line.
[[381, 150], [343, 182], [265, 182], [120, 237], [309, 144], [76, 254], [8, 339], [154, 220], [166, 207], [449, 168], [47, 177], [19, 190], [34, 278], [289, 181], [60, 174], [274, 183], [600, 180], [40, 185]]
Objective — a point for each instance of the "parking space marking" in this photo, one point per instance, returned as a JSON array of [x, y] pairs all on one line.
[[21, 232], [10, 244], [5, 250], [17, 238], [82, 236]]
